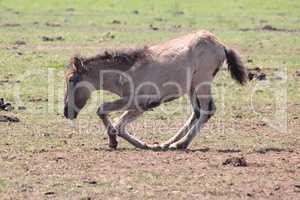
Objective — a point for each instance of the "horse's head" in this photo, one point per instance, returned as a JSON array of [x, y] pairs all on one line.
[[78, 88], [83, 76]]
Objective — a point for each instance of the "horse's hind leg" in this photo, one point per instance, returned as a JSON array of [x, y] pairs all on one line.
[[181, 133], [204, 108], [187, 126]]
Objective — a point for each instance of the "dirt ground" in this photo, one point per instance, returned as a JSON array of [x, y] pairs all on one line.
[[80, 166], [128, 174]]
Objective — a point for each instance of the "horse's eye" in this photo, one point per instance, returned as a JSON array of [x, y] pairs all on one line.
[[121, 59]]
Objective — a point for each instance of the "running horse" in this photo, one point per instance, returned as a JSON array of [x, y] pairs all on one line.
[[144, 78]]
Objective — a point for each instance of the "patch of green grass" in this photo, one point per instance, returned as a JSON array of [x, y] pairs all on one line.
[[148, 177], [3, 184]]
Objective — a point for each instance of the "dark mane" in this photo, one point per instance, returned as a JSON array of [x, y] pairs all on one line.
[[119, 60]]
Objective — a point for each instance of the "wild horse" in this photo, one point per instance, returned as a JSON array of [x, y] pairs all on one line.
[[146, 77]]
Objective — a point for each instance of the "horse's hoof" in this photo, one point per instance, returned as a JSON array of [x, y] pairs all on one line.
[[173, 147], [155, 147], [178, 147], [164, 146], [113, 145]]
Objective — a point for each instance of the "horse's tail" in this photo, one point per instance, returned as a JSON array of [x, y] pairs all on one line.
[[236, 67]]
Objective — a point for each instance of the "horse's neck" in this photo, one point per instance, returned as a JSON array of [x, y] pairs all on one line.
[[109, 81]]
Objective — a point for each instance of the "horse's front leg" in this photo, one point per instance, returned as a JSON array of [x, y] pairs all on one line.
[[134, 111], [128, 117], [103, 112]]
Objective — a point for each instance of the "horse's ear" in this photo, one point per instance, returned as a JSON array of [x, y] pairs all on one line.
[[77, 64]]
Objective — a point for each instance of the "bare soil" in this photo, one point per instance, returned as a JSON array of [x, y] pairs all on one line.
[[127, 173]]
